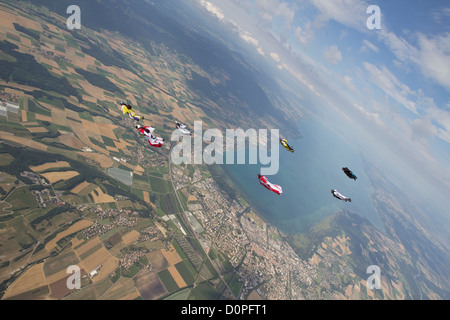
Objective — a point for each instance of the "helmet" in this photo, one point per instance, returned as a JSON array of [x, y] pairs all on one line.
[[122, 103]]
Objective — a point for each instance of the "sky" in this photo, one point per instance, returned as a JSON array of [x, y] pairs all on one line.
[[390, 86]]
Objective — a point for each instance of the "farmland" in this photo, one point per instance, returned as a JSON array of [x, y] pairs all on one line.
[[78, 184]]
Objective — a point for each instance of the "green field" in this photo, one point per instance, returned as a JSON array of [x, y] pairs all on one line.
[[56, 264], [187, 271], [160, 185], [179, 295], [5, 159], [204, 291], [168, 280]]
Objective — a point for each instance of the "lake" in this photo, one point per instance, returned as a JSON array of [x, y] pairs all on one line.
[[307, 177]]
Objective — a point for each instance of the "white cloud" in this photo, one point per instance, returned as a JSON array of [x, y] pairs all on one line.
[[368, 45], [275, 56], [268, 9], [371, 116], [212, 9], [386, 81], [332, 54], [435, 58], [351, 13], [401, 48], [247, 37], [423, 129], [347, 81], [304, 35]]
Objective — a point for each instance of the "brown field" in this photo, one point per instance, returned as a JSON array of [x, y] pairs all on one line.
[[101, 197], [30, 124], [7, 19], [58, 289], [78, 130], [146, 196], [171, 255], [99, 149], [19, 88], [80, 187], [104, 127], [24, 115], [130, 237], [27, 23], [103, 160], [24, 141], [80, 225], [37, 129], [149, 285], [87, 246], [89, 88], [33, 278], [123, 288], [131, 296], [53, 177], [100, 257], [70, 140], [157, 260], [97, 258], [192, 198], [43, 118], [57, 276], [92, 128], [50, 165], [177, 276], [59, 117], [122, 145]]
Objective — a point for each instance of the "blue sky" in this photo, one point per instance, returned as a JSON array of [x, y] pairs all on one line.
[[390, 86]]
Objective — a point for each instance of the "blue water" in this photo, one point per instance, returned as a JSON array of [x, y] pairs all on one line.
[[307, 177]]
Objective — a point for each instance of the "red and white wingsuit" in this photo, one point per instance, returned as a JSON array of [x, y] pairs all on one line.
[[147, 133], [272, 187]]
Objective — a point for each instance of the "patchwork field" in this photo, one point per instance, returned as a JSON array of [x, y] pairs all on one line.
[[33, 278], [149, 285], [92, 255], [80, 225], [123, 289]]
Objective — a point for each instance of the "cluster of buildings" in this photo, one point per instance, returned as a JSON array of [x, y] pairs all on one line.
[[129, 259], [118, 217], [44, 198], [151, 233], [97, 229], [50, 54], [264, 261]]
